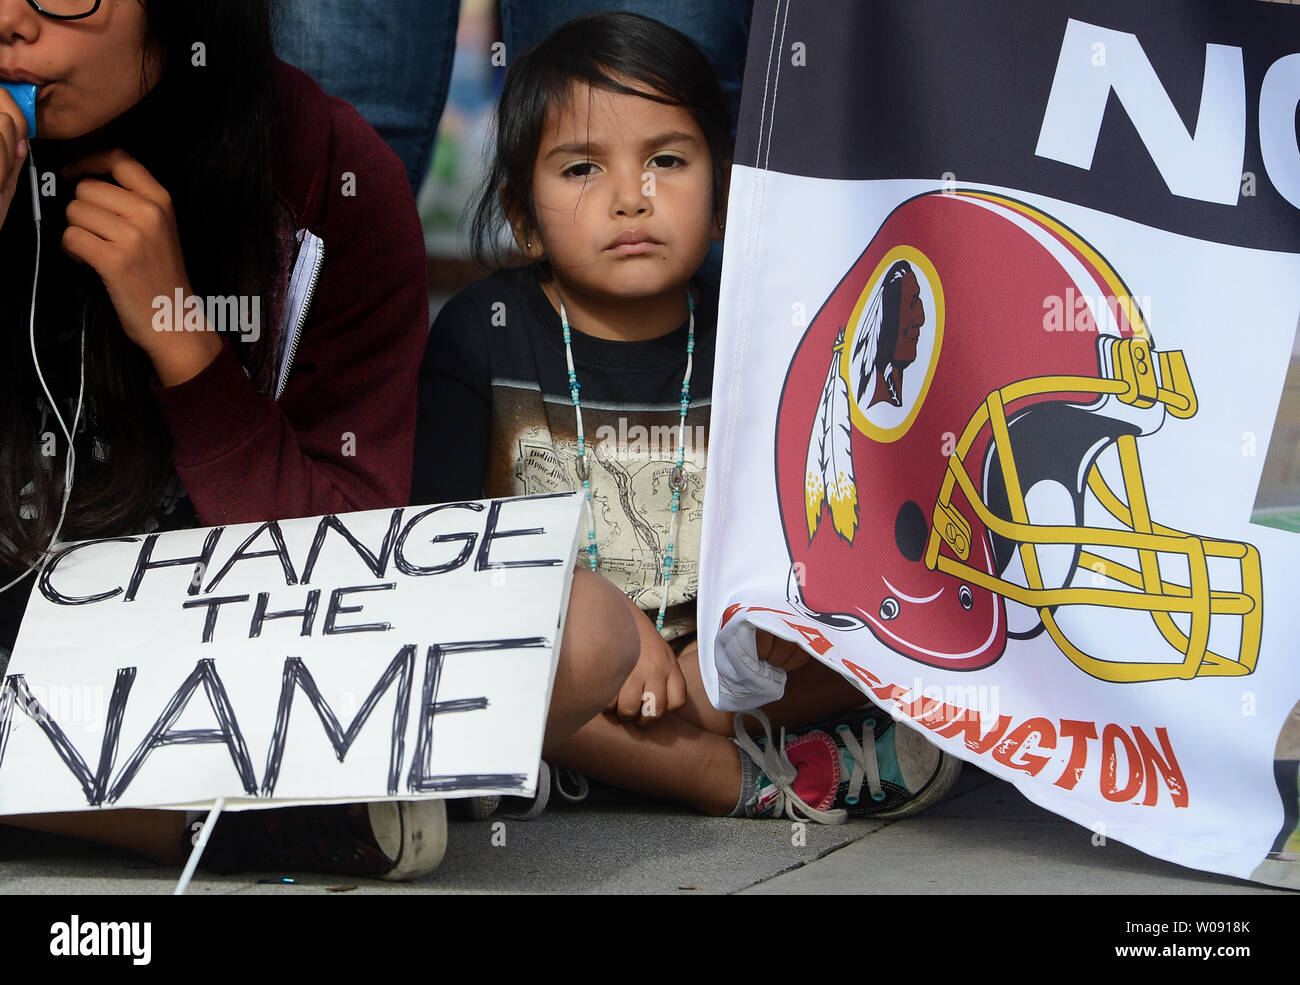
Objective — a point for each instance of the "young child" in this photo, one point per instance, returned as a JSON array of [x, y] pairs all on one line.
[[589, 368], [209, 177]]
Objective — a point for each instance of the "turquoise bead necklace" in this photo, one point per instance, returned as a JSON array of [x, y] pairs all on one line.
[[677, 481]]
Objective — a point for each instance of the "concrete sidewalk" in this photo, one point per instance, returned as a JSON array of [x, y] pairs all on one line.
[[985, 838]]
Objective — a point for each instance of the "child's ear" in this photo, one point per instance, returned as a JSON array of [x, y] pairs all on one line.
[[720, 213], [521, 227]]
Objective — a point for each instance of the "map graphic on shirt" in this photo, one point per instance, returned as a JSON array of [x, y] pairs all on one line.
[[633, 450]]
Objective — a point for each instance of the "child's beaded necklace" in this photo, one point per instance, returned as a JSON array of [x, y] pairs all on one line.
[[678, 480]]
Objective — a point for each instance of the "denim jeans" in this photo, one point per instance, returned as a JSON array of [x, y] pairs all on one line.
[[392, 59]]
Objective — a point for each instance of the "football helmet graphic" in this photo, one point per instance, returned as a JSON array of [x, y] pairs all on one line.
[[957, 456]]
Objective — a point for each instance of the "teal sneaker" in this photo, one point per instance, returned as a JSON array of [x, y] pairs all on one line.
[[862, 764]]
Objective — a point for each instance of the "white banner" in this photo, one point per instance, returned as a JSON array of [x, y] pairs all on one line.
[[1023, 469], [389, 654]]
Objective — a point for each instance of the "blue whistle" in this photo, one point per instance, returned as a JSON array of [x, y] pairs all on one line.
[[24, 94]]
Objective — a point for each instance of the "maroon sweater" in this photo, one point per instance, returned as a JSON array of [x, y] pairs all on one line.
[[340, 435], [330, 428]]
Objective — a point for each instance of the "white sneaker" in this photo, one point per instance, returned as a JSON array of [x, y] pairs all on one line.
[[413, 833]]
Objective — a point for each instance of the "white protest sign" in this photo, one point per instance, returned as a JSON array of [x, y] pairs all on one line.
[[380, 655]]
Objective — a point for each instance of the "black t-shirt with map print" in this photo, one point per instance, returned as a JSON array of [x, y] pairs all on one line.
[[496, 419]]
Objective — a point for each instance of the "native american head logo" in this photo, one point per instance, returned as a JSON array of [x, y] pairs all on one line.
[[867, 380]]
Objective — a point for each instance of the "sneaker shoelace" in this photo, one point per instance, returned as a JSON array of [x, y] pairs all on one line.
[[864, 760], [560, 781], [571, 785], [540, 799], [775, 764]]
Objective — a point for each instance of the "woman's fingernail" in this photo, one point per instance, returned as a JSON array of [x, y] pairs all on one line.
[[22, 148]]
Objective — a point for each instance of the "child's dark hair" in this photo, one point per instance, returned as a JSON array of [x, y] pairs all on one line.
[[600, 49]]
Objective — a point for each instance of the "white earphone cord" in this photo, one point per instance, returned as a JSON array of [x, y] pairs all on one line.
[[70, 462]]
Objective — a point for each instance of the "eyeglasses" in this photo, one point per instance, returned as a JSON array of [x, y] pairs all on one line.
[[66, 10]]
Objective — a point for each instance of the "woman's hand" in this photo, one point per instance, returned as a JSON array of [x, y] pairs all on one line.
[[13, 150], [779, 652], [126, 230], [656, 685]]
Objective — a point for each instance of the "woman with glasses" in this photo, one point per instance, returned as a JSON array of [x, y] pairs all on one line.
[[176, 158]]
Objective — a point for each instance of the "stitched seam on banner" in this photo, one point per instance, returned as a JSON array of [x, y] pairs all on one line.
[[721, 483], [767, 76], [757, 195], [776, 86], [758, 198]]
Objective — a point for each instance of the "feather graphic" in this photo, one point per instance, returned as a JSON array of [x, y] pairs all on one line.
[[868, 336], [841, 489], [815, 467], [829, 470]]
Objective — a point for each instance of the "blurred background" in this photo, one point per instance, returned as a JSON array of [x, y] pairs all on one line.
[[462, 148]]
